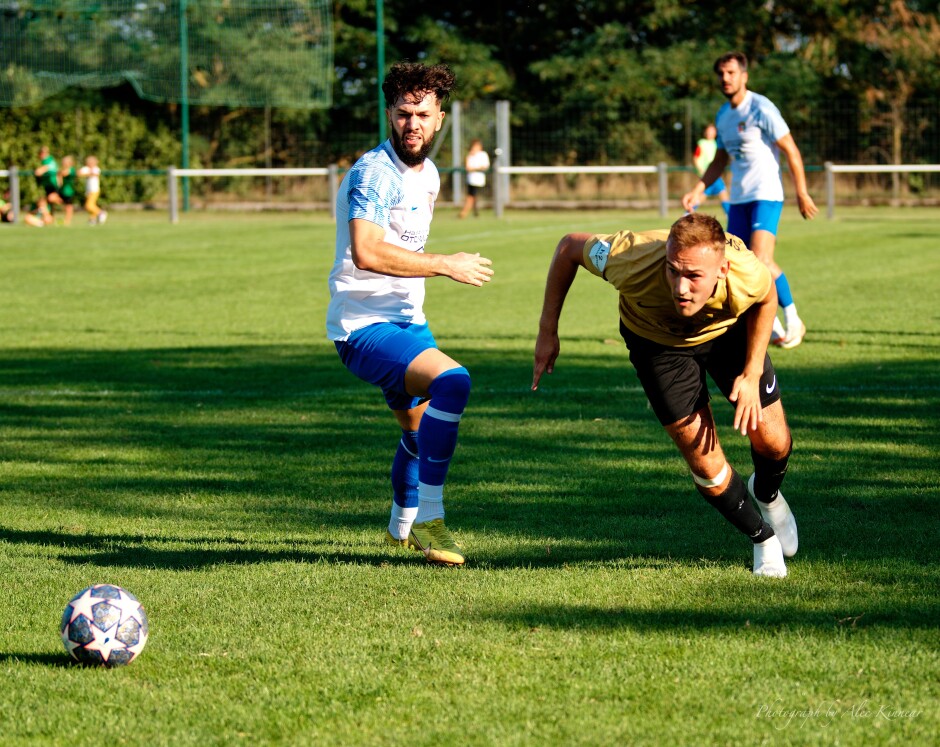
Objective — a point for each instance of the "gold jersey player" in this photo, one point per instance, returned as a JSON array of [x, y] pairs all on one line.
[[694, 300]]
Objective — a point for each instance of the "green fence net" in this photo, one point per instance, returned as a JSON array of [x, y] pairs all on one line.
[[251, 53]]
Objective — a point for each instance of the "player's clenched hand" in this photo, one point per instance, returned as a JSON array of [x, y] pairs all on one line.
[[747, 411], [471, 269], [690, 200], [547, 348]]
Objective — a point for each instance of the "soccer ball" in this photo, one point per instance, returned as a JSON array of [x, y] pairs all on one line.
[[104, 625]]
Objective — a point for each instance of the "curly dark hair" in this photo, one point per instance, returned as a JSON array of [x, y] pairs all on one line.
[[419, 80]]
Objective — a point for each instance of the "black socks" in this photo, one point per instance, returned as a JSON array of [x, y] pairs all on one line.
[[769, 474], [736, 506]]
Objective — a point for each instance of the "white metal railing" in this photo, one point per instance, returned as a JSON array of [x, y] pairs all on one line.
[[832, 169], [501, 185], [173, 173]]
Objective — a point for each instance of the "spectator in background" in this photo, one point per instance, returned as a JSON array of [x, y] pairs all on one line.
[[477, 164], [47, 175], [705, 150], [91, 173], [6, 209], [36, 218], [67, 187]]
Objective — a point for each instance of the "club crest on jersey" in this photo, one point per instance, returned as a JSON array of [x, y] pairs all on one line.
[[599, 255]]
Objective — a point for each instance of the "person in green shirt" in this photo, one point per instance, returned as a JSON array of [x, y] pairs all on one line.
[[705, 150], [47, 174], [68, 177]]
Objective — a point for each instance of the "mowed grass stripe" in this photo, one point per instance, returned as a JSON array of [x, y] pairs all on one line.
[[175, 422]]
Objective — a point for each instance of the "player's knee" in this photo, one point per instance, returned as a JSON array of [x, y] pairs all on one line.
[[450, 391], [711, 483]]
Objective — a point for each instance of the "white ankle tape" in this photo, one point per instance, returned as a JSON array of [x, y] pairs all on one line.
[[713, 482]]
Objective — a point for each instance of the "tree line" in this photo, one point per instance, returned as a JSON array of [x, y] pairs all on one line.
[[602, 80]]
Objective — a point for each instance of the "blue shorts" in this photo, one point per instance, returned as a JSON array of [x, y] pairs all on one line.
[[381, 353], [717, 187], [747, 217]]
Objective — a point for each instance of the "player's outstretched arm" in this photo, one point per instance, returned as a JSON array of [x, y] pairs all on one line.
[[370, 251], [569, 255], [745, 393], [691, 200], [806, 204], [471, 269]]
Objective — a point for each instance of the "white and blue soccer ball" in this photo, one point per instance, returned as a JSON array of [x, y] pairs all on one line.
[[104, 625]]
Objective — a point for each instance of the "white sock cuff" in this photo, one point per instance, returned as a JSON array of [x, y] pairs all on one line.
[[713, 482], [430, 493], [399, 524], [448, 417]]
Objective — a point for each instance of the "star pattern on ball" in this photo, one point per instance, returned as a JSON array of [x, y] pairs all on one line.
[[128, 606], [104, 641], [83, 604]]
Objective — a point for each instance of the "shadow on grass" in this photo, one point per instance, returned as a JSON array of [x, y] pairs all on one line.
[[265, 438], [58, 661], [128, 551], [742, 615]]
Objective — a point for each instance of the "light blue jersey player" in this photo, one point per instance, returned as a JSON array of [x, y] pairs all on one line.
[[751, 135], [376, 316]]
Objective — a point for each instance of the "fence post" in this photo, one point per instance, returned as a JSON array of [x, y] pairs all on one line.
[[503, 147], [456, 152], [498, 197], [171, 192], [15, 192], [663, 188], [333, 180], [830, 190]]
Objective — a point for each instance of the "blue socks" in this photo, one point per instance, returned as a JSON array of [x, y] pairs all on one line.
[[405, 471], [423, 457], [784, 296], [437, 434], [437, 439]]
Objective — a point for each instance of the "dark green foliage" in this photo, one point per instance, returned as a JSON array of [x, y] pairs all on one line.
[[601, 82]]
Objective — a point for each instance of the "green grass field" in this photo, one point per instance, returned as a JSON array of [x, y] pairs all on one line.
[[175, 422]]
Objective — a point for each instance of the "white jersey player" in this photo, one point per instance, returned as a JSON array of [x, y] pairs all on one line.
[[376, 316]]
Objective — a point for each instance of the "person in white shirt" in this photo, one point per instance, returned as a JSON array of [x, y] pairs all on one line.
[[751, 134], [376, 317], [91, 172], [477, 163]]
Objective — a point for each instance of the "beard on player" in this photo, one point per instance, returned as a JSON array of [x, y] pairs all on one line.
[[410, 157]]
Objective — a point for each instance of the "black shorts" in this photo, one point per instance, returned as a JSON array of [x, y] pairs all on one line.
[[674, 378], [473, 191], [67, 199], [51, 191]]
